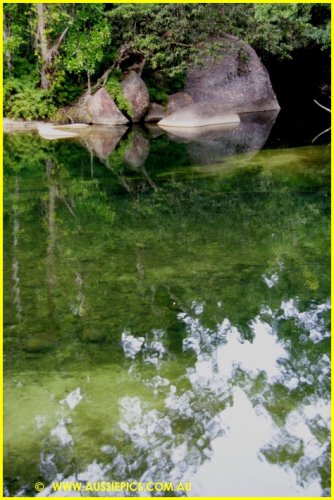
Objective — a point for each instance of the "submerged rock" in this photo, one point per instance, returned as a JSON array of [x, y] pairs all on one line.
[[37, 344], [135, 91], [200, 115], [189, 134], [50, 132], [236, 79]]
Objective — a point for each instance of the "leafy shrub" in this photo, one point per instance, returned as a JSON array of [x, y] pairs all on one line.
[[161, 86], [22, 99], [158, 95], [64, 90], [114, 88]]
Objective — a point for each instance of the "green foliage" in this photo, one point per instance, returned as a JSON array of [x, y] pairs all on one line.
[[115, 160], [281, 28], [23, 100], [114, 88], [85, 45], [64, 90], [160, 86], [15, 35], [158, 95], [90, 202], [159, 40]]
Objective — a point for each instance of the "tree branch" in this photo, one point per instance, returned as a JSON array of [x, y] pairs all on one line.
[[321, 133], [54, 49], [321, 106], [103, 79]]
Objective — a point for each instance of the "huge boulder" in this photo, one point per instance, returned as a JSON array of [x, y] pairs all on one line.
[[236, 78], [135, 91], [103, 111]]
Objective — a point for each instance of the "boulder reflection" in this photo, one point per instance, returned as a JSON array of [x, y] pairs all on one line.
[[201, 145]]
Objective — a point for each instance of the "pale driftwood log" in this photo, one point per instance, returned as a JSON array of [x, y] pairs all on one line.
[[321, 133], [327, 129]]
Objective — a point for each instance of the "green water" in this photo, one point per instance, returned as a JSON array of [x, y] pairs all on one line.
[[166, 319]]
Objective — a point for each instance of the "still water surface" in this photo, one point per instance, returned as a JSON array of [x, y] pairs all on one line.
[[167, 312]]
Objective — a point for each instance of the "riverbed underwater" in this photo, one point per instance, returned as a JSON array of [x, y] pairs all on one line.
[[166, 303]]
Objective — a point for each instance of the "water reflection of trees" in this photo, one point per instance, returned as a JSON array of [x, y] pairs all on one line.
[[149, 260]]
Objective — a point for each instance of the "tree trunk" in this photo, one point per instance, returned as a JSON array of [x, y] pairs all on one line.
[[47, 53], [6, 35], [89, 85], [43, 46]]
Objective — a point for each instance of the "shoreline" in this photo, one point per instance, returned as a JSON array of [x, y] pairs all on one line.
[[47, 130], [9, 125]]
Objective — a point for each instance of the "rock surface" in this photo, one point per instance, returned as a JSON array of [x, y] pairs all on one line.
[[178, 101], [76, 113], [156, 112], [103, 110], [10, 125], [51, 132], [199, 115], [238, 80], [135, 91]]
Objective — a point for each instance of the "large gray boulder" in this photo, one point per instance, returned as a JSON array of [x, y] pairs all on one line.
[[103, 111], [135, 91], [236, 79], [99, 109]]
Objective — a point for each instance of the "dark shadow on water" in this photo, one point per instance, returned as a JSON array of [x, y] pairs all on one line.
[[212, 144]]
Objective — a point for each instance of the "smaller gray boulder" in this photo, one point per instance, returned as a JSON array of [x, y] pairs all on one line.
[[135, 91], [178, 101], [156, 112], [103, 110]]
